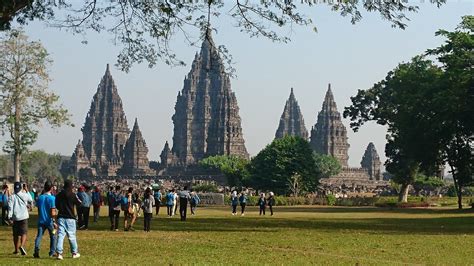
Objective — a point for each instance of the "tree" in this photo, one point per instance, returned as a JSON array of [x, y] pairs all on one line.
[[233, 167], [25, 101], [403, 102], [145, 28], [279, 163], [423, 182], [454, 106], [327, 165], [40, 165]]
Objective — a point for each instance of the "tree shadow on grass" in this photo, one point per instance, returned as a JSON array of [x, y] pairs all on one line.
[[422, 226]]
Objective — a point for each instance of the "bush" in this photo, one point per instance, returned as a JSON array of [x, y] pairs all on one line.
[[331, 200], [205, 188]]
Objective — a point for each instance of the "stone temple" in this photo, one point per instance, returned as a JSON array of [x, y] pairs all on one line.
[[104, 150], [206, 119], [329, 136], [291, 121]]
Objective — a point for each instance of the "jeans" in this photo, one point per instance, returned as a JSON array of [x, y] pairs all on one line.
[[157, 203], [242, 207], [262, 210], [169, 208], [80, 216], [52, 237], [4, 214], [67, 227], [96, 212], [114, 219], [147, 221], [183, 208], [234, 209], [85, 216]]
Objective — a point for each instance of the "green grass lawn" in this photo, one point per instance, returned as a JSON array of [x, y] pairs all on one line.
[[295, 235]]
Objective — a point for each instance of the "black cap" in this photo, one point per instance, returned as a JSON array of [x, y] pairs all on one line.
[[17, 187]]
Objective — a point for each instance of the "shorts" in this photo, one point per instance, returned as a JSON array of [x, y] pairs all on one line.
[[20, 227]]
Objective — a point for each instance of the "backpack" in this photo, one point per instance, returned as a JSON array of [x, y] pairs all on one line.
[[124, 203]]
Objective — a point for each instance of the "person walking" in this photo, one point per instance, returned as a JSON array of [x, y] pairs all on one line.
[[85, 207], [169, 202], [80, 217], [262, 203], [147, 206], [271, 202], [195, 200], [97, 201], [117, 199], [4, 203], [234, 201], [183, 202], [127, 209], [110, 197], [46, 219], [18, 205], [65, 202], [157, 196], [243, 202], [175, 202]]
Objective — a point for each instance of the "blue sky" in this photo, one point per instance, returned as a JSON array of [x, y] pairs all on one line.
[[350, 57]]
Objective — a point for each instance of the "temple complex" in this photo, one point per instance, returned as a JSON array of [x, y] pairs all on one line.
[[329, 136], [291, 121]]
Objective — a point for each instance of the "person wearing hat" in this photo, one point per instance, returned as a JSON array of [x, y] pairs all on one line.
[[66, 200], [18, 213], [46, 219]]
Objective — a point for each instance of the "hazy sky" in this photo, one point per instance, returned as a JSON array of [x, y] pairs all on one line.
[[350, 57]]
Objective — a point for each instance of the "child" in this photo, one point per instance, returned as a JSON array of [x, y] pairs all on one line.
[[147, 206], [234, 200], [271, 203], [262, 202], [194, 202], [243, 202]]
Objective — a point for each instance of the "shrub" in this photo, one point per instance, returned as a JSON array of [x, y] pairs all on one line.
[[331, 199]]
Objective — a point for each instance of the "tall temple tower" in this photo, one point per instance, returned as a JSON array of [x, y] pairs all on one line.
[[291, 121], [371, 162], [105, 130], [135, 154], [329, 135], [206, 120]]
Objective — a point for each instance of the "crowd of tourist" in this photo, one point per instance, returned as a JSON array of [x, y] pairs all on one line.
[[61, 213]]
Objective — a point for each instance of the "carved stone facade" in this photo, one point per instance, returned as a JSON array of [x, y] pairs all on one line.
[[329, 135], [105, 136], [371, 162], [291, 121], [206, 120], [135, 161]]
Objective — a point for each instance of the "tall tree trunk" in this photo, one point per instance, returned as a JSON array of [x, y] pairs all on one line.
[[459, 193], [458, 187], [16, 165], [17, 140], [403, 195]]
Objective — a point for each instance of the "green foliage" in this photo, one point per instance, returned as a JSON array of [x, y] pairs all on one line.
[[327, 165], [211, 188], [428, 111], [25, 101], [39, 164], [144, 29], [427, 183], [276, 166], [331, 199], [233, 167]]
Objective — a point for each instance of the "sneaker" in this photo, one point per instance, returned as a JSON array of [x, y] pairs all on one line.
[[15, 252], [23, 251], [243, 214], [76, 255], [36, 255], [116, 230], [60, 257]]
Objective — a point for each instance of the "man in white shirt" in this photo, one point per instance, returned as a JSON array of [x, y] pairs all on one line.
[[18, 213]]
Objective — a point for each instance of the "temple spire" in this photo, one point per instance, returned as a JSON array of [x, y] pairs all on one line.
[[291, 121], [329, 135], [136, 154]]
